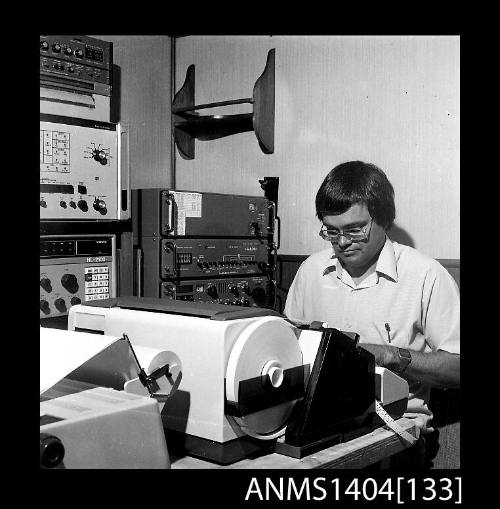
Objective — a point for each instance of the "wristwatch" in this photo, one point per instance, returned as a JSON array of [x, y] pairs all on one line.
[[404, 359]]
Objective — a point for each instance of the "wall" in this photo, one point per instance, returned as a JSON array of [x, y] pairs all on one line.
[[390, 100], [145, 104]]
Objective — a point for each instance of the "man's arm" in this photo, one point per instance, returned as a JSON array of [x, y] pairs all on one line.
[[439, 369], [441, 329]]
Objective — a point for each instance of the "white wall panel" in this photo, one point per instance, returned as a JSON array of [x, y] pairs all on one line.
[[145, 65], [389, 100]]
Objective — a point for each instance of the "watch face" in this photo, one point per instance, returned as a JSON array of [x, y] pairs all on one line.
[[405, 359], [405, 354]]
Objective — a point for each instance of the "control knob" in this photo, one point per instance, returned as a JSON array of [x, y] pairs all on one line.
[[70, 282], [51, 451], [264, 267], [78, 53], [43, 203], [100, 206], [212, 291], [45, 284], [44, 45], [100, 156], [68, 50], [56, 48], [82, 205], [60, 305], [169, 292], [44, 307]]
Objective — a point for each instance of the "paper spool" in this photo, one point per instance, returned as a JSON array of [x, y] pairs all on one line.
[[150, 360], [266, 347]]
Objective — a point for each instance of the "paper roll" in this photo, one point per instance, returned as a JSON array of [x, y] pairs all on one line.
[[267, 347]]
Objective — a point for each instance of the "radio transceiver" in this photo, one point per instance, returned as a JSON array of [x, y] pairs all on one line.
[[243, 291], [193, 258], [75, 269], [76, 76], [80, 170], [169, 213], [208, 247], [77, 62]]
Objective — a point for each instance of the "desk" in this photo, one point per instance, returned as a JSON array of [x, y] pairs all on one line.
[[371, 448]]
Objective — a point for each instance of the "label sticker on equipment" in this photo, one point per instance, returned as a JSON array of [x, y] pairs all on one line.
[[190, 203], [180, 222]]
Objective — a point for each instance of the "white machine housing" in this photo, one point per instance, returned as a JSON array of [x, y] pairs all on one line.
[[106, 428], [204, 347]]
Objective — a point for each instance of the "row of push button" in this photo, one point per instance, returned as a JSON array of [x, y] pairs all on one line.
[[98, 296], [92, 284], [101, 289], [96, 270], [96, 277]]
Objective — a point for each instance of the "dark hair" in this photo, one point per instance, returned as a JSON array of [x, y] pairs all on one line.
[[357, 182]]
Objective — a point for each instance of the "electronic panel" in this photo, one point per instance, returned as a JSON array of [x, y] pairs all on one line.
[[204, 246], [75, 269], [250, 291], [78, 63], [195, 258], [80, 169], [169, 213]]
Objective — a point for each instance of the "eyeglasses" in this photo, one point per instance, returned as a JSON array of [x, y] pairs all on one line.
[[351, 234]]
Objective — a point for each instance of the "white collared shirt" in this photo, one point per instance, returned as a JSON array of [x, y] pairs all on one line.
[[412, 293]]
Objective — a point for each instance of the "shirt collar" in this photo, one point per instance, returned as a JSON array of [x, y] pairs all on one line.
[[386, 263]]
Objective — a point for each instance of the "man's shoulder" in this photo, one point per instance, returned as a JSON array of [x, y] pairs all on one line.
[[409, 258], [316, 263], [324, 257]]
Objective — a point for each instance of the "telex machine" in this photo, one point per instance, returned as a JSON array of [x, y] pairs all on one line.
[[247, 380]]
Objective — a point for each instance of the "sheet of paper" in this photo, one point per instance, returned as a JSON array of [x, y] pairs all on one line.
[[63, 351]]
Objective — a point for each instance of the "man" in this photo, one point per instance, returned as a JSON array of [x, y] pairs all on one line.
[[403, 304]]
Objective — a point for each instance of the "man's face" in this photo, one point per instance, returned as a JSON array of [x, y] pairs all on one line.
[[356, 255]]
